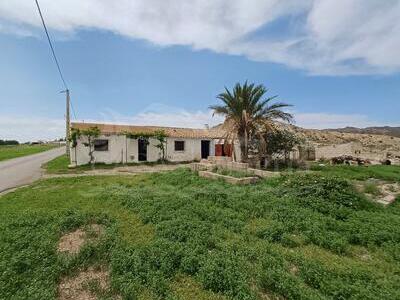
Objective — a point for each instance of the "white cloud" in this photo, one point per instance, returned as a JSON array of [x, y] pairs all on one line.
[[26, 129], [326, 36], [327, 120], [162, 115]]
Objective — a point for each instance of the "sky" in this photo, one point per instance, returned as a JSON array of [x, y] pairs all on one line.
[[163, 62]]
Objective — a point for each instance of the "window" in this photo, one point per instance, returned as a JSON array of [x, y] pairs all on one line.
[[179, 145], [100, 145]]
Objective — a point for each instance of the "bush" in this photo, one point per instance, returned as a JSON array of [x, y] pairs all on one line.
[[325, 194], [8, 142], [283, 164]]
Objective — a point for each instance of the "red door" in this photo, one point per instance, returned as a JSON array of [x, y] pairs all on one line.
[[218, 150], [223, 150], [228, 150]]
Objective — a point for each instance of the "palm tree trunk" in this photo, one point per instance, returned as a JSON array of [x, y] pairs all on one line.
[[243, 148]]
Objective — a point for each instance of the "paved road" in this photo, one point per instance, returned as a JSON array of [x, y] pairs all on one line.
[[24, 170]]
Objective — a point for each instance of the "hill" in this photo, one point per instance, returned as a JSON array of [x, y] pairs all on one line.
[[373, 143], [379, 130]]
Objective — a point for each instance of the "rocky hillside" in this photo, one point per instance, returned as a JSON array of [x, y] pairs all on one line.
[[370, 142], [383, 130]]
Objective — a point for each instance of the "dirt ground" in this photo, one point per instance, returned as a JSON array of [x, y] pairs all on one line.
[[84, 285], [72, 242], [382, 192]]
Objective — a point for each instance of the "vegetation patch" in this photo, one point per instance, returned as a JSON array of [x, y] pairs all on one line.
[[387, 173], [14, 151], [178, 236], [232, 173], [60, 165]]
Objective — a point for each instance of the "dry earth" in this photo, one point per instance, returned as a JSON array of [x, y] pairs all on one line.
[[72, 242], [80, 286], [375, 143], [370, 142], [386, 192], [86, 284]]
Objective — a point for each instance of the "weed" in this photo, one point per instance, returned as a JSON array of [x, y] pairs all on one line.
[[175, 235], [371, 188]]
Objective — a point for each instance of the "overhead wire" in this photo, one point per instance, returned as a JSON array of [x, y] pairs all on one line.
[[54, 54]]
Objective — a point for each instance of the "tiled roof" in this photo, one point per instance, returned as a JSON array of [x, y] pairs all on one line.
[[212, 133]]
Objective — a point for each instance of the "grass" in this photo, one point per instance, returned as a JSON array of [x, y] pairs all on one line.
[[389, 173], [371, 188], [232, 173], [60, 164], [57, 165], [178, 236], [14, 151]]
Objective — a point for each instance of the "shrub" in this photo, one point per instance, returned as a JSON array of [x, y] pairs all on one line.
[[325, 194], [223, 271]]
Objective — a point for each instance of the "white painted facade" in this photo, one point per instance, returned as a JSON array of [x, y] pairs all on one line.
[[126, 150]]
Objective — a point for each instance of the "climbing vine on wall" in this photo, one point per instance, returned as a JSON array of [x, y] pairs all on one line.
[[159, 135]]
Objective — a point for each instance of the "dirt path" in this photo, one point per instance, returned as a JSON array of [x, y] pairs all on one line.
[[128, 170]]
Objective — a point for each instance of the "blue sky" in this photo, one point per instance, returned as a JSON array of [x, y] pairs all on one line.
[[168, 74]]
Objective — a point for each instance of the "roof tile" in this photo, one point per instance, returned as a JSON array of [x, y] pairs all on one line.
[[174, 132]]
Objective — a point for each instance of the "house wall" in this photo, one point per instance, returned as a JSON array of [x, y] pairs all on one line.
[[122, 150], [192, 149], [115, 153]]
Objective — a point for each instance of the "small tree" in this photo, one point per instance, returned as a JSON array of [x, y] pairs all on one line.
[[73, 138], [161, 137], [280, 142], [91, 133], [277, 144]]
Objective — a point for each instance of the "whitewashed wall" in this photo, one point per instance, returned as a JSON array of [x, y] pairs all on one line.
[[192, 149], [122, 150], [115, 153]]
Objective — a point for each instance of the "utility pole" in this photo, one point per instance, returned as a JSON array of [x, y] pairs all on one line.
[[67, 121]]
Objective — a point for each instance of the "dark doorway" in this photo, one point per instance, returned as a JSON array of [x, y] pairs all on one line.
[[205, 149], [142, 149]]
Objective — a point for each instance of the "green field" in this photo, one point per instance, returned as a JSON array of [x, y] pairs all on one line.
[[390, 173], [177, 236], [8, 152]]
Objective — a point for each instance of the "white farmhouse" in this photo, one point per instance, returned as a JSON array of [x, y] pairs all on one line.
[[182, 144]]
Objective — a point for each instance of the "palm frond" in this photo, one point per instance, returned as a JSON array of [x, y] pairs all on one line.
[[247, 112], [219, 110]]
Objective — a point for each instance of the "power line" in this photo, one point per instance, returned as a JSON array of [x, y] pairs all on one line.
[[51, 45], [73, 109], [54, 54]]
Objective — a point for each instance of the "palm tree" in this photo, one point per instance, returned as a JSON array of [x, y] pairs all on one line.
[[247, 113]]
